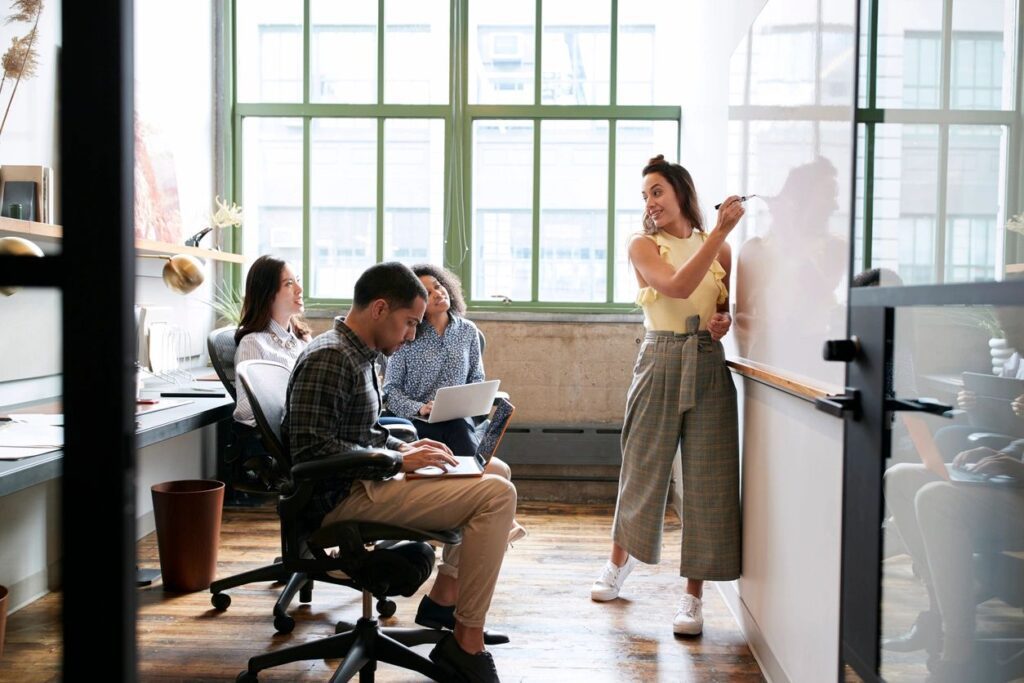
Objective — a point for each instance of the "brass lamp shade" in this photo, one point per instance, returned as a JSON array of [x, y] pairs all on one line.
[[183, 273], [16, 246]]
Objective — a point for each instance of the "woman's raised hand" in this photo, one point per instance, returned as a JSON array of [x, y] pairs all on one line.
[[729, 214]]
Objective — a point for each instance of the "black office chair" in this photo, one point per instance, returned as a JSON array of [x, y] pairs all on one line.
[[397, 569]]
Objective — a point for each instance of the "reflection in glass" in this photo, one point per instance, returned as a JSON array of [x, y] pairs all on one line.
[[343, 53], [268, 36], [952, 573], [635, 143], [974, 202], [502, 211], [272, 188], [501, 48], [416, 40], [343, 204], [414, 190], [575, 52], [573, 210]]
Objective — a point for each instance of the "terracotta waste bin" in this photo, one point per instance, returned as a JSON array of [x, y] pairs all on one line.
[[188, 515]]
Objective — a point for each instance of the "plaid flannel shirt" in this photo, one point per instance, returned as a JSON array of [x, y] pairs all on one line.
[[333, 408]]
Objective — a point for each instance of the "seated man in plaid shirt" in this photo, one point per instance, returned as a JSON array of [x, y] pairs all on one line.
[[333, 407]]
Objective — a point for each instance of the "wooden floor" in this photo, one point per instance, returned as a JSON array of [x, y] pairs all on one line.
[[542, 602]]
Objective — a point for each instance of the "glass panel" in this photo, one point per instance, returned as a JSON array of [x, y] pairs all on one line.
[[573, 210], [343, 204], [501, 51], [272, 188], [635, 143], [343, 53], [416, 39], [909, 54], [974, 202], [953, 538], [575, 52], [414, 190], [905, 200], [502, 209], [648, 53], [983, 48], [268, 37]]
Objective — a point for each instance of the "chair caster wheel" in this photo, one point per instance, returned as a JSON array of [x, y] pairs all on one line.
[[220, 601], [246, 677], [386, 608], [284, 624]]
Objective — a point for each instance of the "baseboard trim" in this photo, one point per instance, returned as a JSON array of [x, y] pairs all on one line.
[[770, 667]]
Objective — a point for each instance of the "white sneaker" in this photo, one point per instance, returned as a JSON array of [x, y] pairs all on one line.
[[610, 582], [689, 619]]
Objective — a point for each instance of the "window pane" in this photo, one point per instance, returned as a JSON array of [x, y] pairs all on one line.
[[501, 51], [575, 52], [414, 190], [416, 51], [272, 188], [635, 143], [343, 199], [983, 48], [974, 202], [269, 51], [343, 53], [909, 54], [573, 210], [648, 53], [905, 201], [502, 209]]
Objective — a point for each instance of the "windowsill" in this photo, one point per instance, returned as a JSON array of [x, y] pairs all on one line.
[[511, 316]]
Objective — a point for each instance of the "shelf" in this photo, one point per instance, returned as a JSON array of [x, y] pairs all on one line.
[[30, 230]]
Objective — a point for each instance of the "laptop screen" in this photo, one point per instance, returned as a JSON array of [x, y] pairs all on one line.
[[492, 437]]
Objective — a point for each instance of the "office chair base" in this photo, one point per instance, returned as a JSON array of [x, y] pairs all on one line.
[[362, 648]]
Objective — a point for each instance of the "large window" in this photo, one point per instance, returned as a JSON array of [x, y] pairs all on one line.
[[936, 116], [501, 139]]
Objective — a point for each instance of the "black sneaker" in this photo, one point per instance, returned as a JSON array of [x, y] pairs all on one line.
[[433, 615], [478, 668]]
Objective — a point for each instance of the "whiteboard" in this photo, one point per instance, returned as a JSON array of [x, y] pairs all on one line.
[[791, 109]]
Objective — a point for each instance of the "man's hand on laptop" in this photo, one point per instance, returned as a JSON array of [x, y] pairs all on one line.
[[426, 408], [1000, 464], [426, 453]]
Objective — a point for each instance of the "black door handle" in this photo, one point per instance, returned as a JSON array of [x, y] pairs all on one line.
[[919, 405], [840, 404]]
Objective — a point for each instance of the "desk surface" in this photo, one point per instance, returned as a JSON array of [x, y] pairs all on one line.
[[151, 428]]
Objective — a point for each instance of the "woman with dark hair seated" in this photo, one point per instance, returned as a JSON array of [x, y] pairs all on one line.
[[445, 353], [271, 329]]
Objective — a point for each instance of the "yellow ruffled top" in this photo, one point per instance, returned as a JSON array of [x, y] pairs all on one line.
[[668, 314]]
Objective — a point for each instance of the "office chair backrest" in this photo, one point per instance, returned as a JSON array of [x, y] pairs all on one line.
[[221, 345], [266, 383]]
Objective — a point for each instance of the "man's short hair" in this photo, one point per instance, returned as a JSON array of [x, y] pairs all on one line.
[[392, 281]]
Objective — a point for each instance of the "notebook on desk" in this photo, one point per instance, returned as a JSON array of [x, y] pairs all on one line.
[[474, 465], [463, 400]]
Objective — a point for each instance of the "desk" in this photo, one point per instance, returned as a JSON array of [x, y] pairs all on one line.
[[151, 428]]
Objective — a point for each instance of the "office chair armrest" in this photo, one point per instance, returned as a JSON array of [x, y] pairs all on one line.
[[356, 464]]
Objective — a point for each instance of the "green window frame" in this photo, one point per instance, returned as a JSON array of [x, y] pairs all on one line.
[[946, 115], [459, 118]]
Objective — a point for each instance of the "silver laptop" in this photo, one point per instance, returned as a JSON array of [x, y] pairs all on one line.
[[463, 400]]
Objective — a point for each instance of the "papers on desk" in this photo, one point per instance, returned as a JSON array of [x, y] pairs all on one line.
[[22, 440]]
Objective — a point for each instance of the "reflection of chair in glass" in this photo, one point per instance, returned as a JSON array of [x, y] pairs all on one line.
[[398, 569]]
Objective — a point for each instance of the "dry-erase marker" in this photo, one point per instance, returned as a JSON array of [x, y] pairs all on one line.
[[742, 199]]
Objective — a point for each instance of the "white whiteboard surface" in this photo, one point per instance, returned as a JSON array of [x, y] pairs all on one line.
[[790, 142]]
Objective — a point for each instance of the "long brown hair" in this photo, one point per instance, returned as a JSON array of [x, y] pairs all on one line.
[[682, 183], [261, 286]]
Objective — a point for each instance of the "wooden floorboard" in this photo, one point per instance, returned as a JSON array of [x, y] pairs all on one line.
[[542, 602]]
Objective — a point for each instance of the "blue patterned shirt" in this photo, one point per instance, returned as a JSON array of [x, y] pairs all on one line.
[[418, 369]]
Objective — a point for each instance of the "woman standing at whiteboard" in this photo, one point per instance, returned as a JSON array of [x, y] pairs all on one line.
[[681, 395]]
